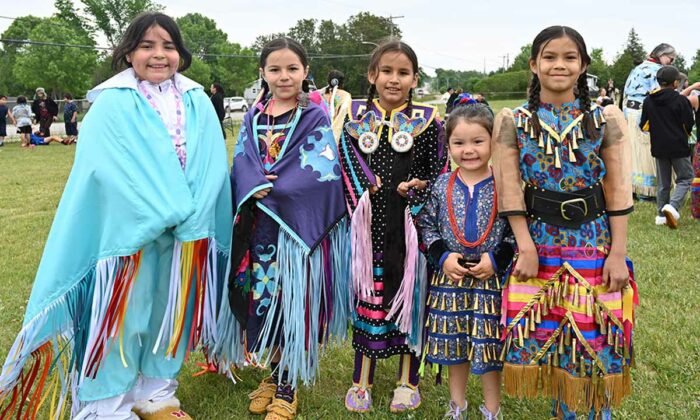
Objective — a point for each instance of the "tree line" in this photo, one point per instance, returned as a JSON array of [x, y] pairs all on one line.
[[515, 78], [60, 52]]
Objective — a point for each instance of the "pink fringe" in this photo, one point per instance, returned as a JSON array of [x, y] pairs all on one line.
[[361, 244], [403, 301]]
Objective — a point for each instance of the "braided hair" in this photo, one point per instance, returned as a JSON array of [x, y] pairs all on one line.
[[370, 97], [584, 100], [582, 93], [533, 103]]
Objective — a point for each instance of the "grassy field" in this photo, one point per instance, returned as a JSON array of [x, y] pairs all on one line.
[[666, 380]]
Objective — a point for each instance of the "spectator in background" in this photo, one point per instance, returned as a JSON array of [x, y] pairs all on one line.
[[480, 98], [45, 111], [603, 98], [337, 100], [668, 117], [22, 114], [446, 96], [70, 117], [641, 81], [4, 113], [610, 89], [217, 99], [692, 92], [451, 100]]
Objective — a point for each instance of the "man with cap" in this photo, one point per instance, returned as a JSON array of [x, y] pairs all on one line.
[[669, 119], [45, 111]]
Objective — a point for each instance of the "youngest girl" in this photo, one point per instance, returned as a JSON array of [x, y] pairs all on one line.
[[472, 248]]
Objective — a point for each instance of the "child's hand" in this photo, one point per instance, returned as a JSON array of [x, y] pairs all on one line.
[[414, 183], [452, 269], [527, 265], [264, 192], [615, 273], [374, 188], [484, 269]]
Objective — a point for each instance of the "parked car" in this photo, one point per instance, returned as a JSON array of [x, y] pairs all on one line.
[[235, 103]]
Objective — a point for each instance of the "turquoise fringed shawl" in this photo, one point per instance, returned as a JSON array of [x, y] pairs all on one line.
[[125, 189]]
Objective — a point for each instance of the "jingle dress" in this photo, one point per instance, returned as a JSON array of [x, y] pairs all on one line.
[[564, 332]]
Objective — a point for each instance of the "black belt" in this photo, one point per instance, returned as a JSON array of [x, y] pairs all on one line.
[[633, 104], [565, 209]]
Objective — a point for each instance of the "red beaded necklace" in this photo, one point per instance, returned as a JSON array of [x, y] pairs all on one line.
[[456, 231]]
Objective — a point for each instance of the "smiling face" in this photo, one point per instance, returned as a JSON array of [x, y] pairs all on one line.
[[470, 147], [284, 73], [394, 78], [558, 67], [155, 58]]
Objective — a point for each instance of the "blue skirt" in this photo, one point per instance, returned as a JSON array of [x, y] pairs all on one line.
[[463, 323]]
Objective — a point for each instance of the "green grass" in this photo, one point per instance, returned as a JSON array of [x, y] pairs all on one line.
[[666, 380]]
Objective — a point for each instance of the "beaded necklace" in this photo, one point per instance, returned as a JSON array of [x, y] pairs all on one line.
[[270, 135], [177, 137], [456, 231]]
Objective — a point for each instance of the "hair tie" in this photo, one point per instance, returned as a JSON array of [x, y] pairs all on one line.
[[334, 82], [464, 99]]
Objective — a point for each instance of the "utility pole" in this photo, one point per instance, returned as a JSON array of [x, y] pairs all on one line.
[[391, 19], [504, 57], [484, 66]]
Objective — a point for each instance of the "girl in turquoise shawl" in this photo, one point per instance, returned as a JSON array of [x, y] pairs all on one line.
[[130, 278]]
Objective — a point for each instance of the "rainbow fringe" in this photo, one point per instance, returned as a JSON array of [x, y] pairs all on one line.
[[68, 340], [570, 312]]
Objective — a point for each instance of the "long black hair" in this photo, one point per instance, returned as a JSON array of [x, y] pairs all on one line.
[[581, 90], [394, 234], [391, 45], [281, 44], [134, 35]]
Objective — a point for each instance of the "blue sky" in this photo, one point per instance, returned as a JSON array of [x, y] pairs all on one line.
[[460, 35]]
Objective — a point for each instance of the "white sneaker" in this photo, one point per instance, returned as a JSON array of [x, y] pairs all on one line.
[[660, 220], [672, 216]]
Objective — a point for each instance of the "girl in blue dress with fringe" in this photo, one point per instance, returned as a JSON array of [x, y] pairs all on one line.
[[472, 248]]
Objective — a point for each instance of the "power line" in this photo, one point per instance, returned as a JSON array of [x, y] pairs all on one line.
[[52, 44], [59, 44]]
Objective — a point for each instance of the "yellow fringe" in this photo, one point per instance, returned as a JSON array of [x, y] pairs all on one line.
[[578, 393]]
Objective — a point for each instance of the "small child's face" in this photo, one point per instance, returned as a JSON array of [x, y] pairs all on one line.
[[3, 101], [470, 146], [156, 58]]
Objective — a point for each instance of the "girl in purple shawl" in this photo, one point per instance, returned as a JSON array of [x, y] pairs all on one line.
[[288, 286]]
